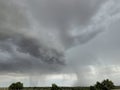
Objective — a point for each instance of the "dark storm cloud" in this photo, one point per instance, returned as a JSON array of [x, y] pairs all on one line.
[[22, 54], [64, 15], [35, 35], [23, 35]]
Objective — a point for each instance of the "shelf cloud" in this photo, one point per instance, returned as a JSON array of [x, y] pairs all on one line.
[[45, 37]]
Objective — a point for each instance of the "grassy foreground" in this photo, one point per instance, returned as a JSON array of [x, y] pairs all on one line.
[[49, 88]]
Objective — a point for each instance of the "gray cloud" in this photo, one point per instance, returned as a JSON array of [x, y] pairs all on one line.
[[65, 16], [19, 52], [28, 46], [43, 37]]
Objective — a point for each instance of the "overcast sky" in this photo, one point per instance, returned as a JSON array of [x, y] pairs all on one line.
[[67, 42]]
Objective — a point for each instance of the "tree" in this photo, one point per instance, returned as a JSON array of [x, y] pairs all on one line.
[[107, 83], [104, 85], [99, 86], [16, 86], [55, 87]]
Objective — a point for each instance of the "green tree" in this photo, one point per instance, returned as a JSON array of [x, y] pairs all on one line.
[[99, 86], [55, 87], [104, 85], [16, 86], [108, 83]]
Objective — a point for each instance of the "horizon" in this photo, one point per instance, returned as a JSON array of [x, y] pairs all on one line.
[[59, 85]]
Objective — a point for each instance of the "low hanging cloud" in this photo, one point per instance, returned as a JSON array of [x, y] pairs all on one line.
[[40, 41], [18, 52], [35, 37]]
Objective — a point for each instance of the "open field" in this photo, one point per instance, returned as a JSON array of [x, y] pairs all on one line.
[[49, 88], [63, 88]]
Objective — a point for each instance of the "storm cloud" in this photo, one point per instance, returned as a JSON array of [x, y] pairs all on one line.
[[47, 37]]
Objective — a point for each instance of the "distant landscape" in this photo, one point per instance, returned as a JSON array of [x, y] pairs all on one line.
[[104, 85], [49, 88]]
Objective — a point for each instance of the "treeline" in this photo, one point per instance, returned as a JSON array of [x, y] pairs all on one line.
[[54, 87], [104, 85]]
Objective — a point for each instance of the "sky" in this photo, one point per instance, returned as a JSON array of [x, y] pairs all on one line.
[[67, 42]]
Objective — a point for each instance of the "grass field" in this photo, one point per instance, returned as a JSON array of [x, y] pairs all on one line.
[[63, 88], [48, 88]]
